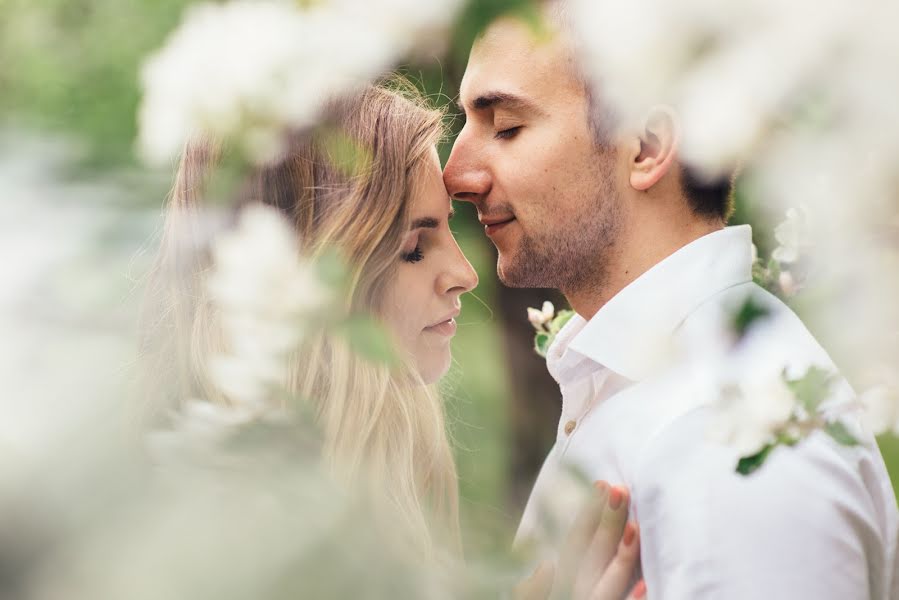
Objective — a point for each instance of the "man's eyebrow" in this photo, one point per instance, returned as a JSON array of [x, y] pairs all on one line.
[[504, 100]]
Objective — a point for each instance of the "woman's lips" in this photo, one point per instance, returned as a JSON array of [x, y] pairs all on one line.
[[446, 328]]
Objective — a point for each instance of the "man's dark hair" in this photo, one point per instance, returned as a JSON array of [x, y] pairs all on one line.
[[708, 198], [711, 198]]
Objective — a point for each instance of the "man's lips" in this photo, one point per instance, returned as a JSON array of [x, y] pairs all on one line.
[[492, 226]]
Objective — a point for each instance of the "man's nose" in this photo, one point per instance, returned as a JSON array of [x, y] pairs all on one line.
[[465, 175], [458, 276]]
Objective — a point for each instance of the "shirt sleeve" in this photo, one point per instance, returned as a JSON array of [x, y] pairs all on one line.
[[803, 526]]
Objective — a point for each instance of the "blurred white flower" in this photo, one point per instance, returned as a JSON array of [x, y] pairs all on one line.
[[539, 318], [793, 236], [264, 290], [880, 412], [787, 283], [535, 317], [548, 311], [750, 412], [248, 70]]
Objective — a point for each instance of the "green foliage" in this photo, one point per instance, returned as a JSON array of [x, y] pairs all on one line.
[[346, 154], [840, 433], [812, 388], [750, 464], [73, 66], [332, 270], [478, 14], [544, 337], [747, 315], [541, 343], [369, 339]]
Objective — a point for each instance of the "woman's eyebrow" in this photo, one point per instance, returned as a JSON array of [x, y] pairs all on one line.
[[430, 222], [425, 223]]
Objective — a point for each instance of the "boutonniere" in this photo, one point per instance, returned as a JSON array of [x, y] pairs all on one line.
[[547, 324]]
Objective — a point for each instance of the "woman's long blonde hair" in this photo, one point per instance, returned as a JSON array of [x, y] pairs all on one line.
[[378, 424]]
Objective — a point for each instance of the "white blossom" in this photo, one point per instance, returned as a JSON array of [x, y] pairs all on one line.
[[787, 283], [264, 290], [793, 236], [750, 411], [543, 316], [880, 412], [251, 69]]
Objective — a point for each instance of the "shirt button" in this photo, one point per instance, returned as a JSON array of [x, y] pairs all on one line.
[[569, 427]]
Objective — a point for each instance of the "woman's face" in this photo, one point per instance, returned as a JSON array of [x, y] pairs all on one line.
[[422, 301]]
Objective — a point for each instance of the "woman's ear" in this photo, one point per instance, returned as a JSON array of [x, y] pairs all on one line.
[[657, 151]]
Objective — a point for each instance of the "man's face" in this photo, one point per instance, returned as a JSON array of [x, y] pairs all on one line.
[[527, 160]]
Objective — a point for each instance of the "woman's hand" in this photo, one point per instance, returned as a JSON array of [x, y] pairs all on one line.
[[598, 558]]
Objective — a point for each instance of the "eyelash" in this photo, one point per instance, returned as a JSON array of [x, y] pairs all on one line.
[[506, 134], [414, 256]]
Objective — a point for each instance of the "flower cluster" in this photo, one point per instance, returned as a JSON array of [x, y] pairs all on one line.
[[266, 296], [785, 273], [248, 70], [547, 325]]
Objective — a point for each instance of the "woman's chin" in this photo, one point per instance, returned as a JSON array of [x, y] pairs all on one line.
[[432, 369]]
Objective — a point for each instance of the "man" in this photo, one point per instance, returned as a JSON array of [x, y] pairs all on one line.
[[606, 213]]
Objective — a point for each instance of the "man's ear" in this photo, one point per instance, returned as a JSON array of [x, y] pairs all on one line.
[[655, 150]]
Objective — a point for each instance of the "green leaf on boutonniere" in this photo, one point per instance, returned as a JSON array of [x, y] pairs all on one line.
[[749, 464], [541, 343], [560, 320]]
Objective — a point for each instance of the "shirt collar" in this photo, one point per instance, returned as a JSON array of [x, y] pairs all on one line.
[[632, 333]]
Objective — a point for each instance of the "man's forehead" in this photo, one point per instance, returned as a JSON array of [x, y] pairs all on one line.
[[511, 56]]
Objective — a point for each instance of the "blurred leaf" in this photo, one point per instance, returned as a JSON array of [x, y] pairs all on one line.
[[749, 464], [560, 320], [369, 339], [345, 153], [748, 313], [812, 388], [839, 432], [541, 343], [332, 270]]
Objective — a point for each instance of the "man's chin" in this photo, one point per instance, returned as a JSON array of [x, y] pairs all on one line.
[[512, 273]]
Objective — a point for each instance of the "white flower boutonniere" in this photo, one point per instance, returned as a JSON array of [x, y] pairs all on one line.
[[547, 325]]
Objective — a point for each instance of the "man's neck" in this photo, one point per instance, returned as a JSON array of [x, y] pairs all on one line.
[[637, 252]]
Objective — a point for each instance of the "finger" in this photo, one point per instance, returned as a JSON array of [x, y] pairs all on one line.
[[538, 586], [615, 580], [580, 536], [638, 592], [605, 541]]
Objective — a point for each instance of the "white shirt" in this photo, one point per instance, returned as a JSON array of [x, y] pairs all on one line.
[[818, 521]]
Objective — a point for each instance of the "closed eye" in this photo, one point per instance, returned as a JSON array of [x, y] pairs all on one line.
[[506, 134]]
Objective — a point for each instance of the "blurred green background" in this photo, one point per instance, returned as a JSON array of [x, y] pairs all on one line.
[[69, 69]]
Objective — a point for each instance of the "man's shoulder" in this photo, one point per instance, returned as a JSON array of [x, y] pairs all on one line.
[[777, 325]]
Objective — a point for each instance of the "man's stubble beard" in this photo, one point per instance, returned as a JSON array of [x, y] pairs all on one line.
[[575, 258]]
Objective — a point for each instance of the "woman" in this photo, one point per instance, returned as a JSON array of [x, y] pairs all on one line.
[[387, 212]]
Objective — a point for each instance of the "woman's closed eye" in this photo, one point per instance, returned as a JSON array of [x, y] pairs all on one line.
[[414, 256]]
